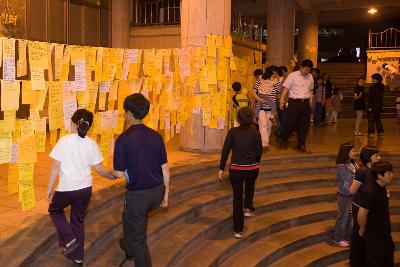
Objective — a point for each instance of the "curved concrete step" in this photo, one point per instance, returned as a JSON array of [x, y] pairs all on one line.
[[323, 254], [270, 249], [188, 212]]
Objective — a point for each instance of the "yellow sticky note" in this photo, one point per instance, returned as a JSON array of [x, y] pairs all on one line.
[[27, 128], [218, 41], [213, 122], [37, 79], [13, 179], [40, 139], [40, 97], [105, 146], [10, 95], [113, 94], [5, 148], [38, 55], [28, 95], [206, 116], [102, 100], [27, 149], [28, 199], [53, 137], [211, 51], [56, 120], [22, 68], [9, 120]]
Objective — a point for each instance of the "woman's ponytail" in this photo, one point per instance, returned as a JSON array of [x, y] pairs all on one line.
[[83, 119]]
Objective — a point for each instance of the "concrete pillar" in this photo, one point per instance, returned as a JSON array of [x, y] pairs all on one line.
[[281, 28], [198, 18], [120, 23], [308, 39]]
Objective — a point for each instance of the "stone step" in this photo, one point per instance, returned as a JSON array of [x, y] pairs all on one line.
[[311, 256], [164, 223], [271, 249], [103, 200], [218, 246]]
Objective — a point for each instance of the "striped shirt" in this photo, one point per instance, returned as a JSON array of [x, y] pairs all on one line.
[[273, 94]]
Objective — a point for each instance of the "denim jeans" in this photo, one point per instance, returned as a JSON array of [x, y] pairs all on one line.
[[344, 219]]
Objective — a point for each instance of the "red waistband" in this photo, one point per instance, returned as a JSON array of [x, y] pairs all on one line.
[[243, 168]]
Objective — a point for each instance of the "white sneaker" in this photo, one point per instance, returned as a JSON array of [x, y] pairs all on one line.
[[237, 235], [248, 213]]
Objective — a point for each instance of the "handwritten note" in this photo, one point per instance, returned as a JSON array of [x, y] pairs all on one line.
[[27, 149], [69, 109], [37, 79], [22, 67], [28, 199], [40, 139], [5, 148], [80, 75], [58, 58], [10, 95], [40, 97], [38, 55], [13, 179]]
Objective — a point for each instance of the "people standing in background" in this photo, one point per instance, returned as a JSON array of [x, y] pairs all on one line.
[[375, 105], [319, 100], [245, 143], [373, 217], [257, 74], [346, 169], [267, 90], [141, 157], [368, 155], [239, 100], [315, 72], [337, 98], [74, 155], [328, 97], [359, 105], [299, 85]]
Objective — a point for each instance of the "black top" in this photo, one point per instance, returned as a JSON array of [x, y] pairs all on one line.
[[245, 142], [374, 198], [375, 97], [140, 152], [328, 89], [359, 104]]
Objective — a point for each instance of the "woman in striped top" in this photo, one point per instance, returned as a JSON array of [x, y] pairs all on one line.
[[245, 143]]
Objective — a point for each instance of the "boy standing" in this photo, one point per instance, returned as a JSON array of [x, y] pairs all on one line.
[[140, 155], [374, 218], [239, 100]]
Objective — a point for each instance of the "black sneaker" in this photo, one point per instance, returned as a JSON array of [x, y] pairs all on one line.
[[70, 247], [303, 149]]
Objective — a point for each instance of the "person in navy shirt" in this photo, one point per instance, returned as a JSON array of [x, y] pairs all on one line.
[[141, 157]]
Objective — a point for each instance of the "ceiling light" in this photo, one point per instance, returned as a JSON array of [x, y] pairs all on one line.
[[372, 10]]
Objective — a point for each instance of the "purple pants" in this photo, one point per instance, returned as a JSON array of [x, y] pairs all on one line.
[[79, 201]]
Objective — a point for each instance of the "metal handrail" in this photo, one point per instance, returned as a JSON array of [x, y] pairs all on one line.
[[246, 26], [388, 39]]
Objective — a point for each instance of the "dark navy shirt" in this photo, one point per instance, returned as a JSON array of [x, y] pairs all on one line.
[[140, 152]]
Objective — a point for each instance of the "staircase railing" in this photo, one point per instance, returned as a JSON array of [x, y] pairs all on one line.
[[388, 39]]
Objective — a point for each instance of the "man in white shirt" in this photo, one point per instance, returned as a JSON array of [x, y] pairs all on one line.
[[298, 86]]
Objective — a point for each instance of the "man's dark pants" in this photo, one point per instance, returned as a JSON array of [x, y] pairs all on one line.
[[374, 118], [134, 218], [297, 117]]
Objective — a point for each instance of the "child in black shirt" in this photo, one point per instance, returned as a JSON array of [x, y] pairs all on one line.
[[374, 218]]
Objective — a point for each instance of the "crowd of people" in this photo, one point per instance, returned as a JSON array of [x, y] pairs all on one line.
[[291, 101]]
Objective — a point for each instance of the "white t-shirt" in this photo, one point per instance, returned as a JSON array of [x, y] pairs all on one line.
[[299, 85], [76, 156]]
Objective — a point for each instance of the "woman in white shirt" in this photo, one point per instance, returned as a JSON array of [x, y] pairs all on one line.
[[74, 155]]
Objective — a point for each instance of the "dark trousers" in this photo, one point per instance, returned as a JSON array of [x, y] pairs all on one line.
[[374, 118], [357, 245], [79, 201], [237, 179], [343, 219], [297, 118], [134, 219], [379, 251], [318, 113]]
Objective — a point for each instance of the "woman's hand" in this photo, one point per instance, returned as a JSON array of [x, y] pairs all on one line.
[[164, 203], [50, 194], [220, 173]]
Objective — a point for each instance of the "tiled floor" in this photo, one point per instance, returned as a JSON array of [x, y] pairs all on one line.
[[324, 139]]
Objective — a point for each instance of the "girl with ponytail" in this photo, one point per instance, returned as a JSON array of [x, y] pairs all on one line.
[[74, 155]]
